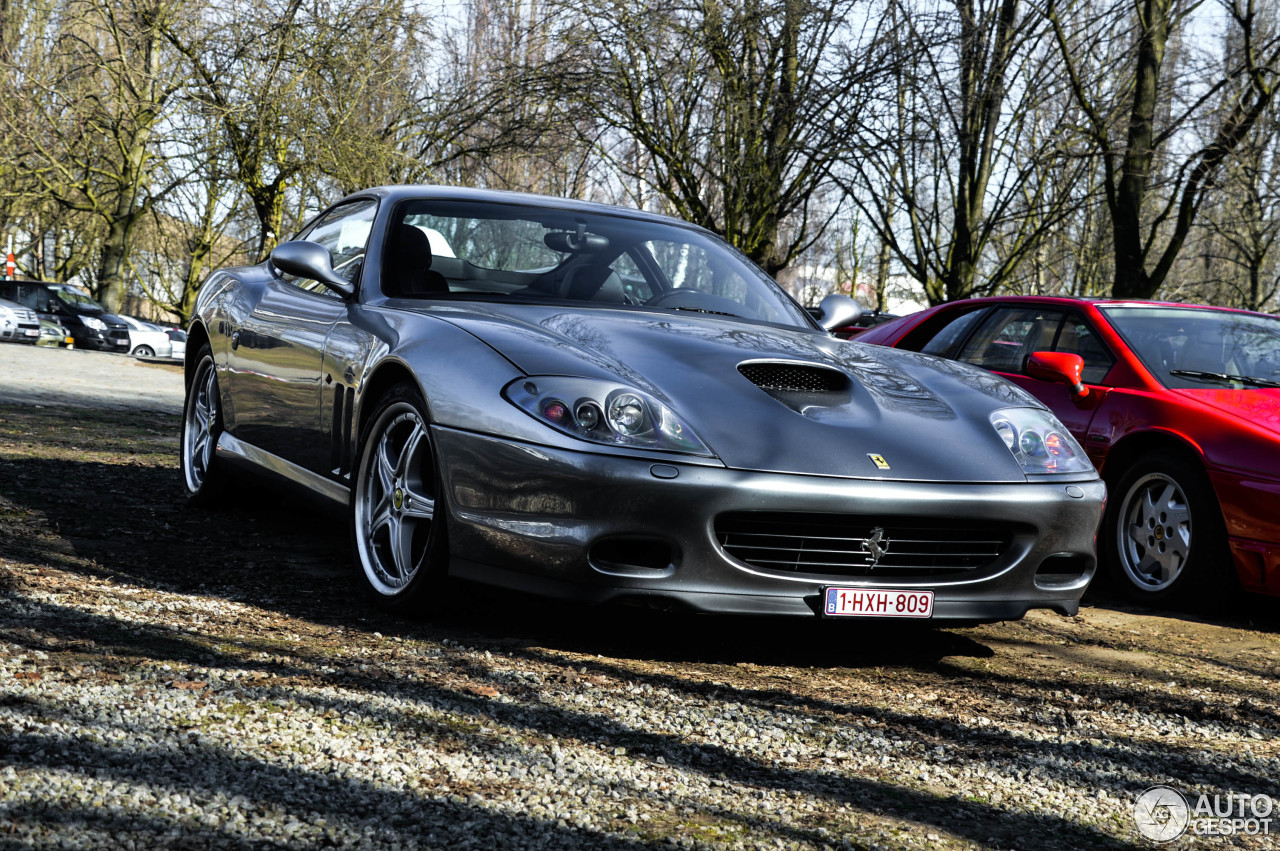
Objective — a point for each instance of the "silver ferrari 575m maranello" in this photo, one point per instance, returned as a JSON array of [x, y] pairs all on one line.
[[584, 401]]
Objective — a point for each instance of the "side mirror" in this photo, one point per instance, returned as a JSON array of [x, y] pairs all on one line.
[[1060, 367], [311, 261], [836, 311]]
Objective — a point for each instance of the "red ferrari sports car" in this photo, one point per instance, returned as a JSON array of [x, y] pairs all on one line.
[[1178, 406]]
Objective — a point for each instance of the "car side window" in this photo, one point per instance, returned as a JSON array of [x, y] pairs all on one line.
[[944, 341], [1077, 338], [634, 284], [1004, 341], [344, 231], [693, 267]]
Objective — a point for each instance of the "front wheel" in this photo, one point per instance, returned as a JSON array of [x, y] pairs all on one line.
[[144, 352], [201, 428], [398, 523], [1165, 540]]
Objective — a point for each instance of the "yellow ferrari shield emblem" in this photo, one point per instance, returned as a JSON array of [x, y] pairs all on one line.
[[878, 460]]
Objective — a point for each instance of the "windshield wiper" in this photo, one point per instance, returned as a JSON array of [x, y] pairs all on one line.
[[1220, 376], [704, 310]]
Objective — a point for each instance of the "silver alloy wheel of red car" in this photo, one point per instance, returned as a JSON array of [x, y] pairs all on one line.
[[397, 538], [200, 427], [1153, 535]]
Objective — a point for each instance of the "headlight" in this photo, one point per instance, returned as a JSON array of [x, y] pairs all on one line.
[[1039, 442], [94, 323], [604, 412]]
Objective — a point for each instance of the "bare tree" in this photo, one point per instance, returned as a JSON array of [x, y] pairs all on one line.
[[947, 165], [730, 115], [1240, 227], [1163, 132], [86, 122]]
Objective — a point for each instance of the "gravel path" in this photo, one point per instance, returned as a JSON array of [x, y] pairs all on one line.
[[172, 678]]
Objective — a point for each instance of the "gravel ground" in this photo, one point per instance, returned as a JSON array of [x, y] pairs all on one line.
[[171, 678]]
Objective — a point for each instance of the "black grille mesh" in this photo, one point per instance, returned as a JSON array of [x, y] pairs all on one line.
[[840, 545], [793, 378]]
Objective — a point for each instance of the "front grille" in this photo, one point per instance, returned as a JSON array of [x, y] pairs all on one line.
[[849, 545], [794, 377]]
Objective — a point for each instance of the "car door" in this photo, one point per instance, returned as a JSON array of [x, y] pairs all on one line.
[[276, 356], [1009, 334]]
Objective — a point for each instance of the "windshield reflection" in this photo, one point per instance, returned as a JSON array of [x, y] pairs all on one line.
[[1188, 347], [450, 249]]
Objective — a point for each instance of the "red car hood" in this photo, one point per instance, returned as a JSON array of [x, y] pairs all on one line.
[[1259, 406]]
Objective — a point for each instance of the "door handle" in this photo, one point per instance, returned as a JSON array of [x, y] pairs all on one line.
[[235, 340]]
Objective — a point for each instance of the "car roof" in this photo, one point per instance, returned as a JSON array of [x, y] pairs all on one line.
[[404, 192], [1094, 301]]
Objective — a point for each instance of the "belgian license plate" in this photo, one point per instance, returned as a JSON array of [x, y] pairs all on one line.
[[32, 332], [877, 603]]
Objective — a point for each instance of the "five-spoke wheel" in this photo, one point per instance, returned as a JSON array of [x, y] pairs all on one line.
[[399, 535], [1164, 535], [201, 426]]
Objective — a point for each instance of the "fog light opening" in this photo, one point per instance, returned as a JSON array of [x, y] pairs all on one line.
[[632, 555], [1063, 569]]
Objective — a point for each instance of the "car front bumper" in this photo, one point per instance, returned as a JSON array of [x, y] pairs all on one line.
[[560, 523], [110, 340]]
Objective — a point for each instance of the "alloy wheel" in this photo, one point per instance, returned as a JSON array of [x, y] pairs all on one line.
[[200, 427], [1153, 537], [395, 500]]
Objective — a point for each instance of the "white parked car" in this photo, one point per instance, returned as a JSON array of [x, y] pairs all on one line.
[[18, 324], [178, 338], [147, 340]]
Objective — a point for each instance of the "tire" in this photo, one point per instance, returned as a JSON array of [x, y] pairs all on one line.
[[398, 523], [204, 476], [1164, 540], [144, 352]]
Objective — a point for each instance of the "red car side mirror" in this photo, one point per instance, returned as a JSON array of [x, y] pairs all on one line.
[[1060, 367]]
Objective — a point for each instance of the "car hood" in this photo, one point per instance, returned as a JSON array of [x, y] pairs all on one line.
[[1258, 406], [927, 417]]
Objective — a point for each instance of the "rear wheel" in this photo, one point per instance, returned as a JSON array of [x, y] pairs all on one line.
[[398, 520], [201, 427], [144, 352], [1165, 540]]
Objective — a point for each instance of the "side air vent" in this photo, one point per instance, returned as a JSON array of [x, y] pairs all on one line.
[[773, 377], [340, 431]]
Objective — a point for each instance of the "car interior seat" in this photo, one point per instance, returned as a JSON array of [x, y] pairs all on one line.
[[406, 265], [588, 282]]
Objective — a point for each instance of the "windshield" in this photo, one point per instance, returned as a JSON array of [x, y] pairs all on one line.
[[1187, 347], [511, 252], [78, 302]]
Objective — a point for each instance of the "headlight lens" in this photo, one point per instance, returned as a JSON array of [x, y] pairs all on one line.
[[604, 412], [93, 322], [1039, 442]]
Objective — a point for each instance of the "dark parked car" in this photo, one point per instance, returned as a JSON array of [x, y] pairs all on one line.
[[86, 320], [584, 401], [1177, 405]]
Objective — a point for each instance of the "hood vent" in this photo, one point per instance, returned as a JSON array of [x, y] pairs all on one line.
[[773, 377]]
